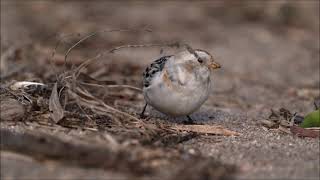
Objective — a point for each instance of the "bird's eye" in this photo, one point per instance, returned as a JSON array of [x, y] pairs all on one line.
[[200, 60]]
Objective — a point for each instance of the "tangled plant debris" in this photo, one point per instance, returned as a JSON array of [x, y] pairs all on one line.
[[69, 101], [289, 123]]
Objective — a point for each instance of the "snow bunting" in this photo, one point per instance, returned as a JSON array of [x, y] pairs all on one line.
[[179, 84]]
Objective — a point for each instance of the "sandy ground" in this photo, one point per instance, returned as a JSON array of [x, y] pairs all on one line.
[[266, 64]]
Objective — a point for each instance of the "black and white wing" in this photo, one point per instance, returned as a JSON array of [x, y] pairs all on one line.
[[153, 69]]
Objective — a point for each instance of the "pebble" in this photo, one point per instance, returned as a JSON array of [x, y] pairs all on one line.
[[11, 109]]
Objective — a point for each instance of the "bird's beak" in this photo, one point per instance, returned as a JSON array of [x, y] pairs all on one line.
[[214, 65]]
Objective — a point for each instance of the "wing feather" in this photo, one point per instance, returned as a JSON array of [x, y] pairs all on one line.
[[154, 68]]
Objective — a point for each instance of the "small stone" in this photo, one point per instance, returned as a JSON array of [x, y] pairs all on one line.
[[192, 151], [11, 110], [269, 124]]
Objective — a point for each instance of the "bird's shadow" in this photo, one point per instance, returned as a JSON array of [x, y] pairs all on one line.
[[202, 116]]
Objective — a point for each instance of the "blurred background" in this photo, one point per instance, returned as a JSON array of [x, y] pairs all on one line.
[[249, 36], [274, 43]]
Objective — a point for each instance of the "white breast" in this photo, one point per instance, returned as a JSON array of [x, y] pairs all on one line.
[[175, 99]]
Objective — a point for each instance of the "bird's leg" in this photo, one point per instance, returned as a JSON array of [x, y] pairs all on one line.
[[144, 109], [190, 120]]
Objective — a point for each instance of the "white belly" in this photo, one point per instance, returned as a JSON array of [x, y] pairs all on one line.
[[180, 101]]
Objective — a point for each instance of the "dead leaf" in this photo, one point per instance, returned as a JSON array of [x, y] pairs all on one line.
[[206, 129], [302, 132], [57, 112], [314, 129]]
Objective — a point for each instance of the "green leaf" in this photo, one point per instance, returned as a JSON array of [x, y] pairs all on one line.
[[312, 119]]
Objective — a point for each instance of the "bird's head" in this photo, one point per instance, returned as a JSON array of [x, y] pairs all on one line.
[[205, 59]]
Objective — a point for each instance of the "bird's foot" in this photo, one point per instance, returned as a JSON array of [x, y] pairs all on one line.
[[190, 121], [142, 116]]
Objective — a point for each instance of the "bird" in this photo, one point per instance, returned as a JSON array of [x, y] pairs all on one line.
[[177, 85]]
